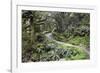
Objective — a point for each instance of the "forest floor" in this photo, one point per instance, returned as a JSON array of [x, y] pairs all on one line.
[[50, 37]]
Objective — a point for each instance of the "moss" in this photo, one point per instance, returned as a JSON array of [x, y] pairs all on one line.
[[77, 54], [59, 37], [49, 50], [80, 41], [74, 53]]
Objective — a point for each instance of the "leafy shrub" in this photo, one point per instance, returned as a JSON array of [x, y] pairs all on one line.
[[82, 31], [76, 54]]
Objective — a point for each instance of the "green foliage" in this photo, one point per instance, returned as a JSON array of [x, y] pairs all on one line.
[[73, 53], [81, 41], [82, 31], [65, 27], [76, 54], [52, 52], [59, 37]]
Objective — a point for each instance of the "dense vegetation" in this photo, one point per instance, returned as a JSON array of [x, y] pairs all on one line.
[[55, 36]]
